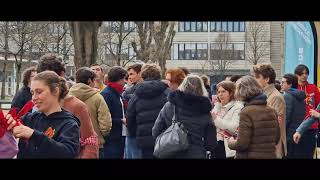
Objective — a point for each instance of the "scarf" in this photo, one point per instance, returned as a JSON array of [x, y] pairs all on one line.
[[117, 87]]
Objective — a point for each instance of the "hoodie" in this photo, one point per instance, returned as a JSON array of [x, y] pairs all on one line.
[[312, 100], [143, 109], [295, 110], [98, 109], [55, 136]]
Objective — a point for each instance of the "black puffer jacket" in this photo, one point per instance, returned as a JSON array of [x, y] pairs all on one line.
[[21, 98], [295, 110], [143, 110], [194, 113]]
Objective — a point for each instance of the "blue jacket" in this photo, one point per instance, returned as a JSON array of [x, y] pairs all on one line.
[[54, 136], [295, 110], [112, 98], [306, 124]]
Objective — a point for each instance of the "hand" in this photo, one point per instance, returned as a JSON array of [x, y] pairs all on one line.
[[11, 122], [314, 113], [214, 99], [22, 132], [231, 139], [213, 115], [124, 121], [296, 137]]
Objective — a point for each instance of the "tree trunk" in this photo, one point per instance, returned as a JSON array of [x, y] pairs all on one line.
[[84, 36], [6, 49], [18, 73]]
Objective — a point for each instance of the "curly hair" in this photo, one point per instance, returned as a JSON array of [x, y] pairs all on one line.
[[51, 62], [177, 75], [27, 74], [266, 71]]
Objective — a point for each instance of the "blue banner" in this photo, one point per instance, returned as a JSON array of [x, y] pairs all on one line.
[[299, 47]]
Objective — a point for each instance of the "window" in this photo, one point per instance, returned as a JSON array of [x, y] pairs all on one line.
[[181, 51], [238, 51], [205, 26], [187, 26], [190, 51], [199, 26], [230, 51], [181, 26], [236, 26], [175, 51], [193, 51], [224, 27], [230, 26], [227, 26], [126, 26], [212, 26], [193, 26], [202, 51], [242, 26], [187, 51], [218, 26]]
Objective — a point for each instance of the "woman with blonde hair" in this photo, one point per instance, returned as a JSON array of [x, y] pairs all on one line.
[[258, 126], [191, 105]]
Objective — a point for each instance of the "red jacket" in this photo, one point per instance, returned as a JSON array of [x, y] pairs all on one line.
[[312, 100]]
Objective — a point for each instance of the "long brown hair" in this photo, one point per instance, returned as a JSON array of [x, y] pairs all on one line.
[[228, 86]]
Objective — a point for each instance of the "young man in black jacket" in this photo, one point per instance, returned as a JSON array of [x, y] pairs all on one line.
[[144, 107]]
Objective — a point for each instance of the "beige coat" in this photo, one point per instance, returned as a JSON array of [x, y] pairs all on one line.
[[276, 101], [229, 122], [98, 109]]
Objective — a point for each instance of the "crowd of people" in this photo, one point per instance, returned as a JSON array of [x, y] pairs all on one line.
[[120, 114]]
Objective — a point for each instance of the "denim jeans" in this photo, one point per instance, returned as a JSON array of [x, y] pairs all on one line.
[[132, 151]]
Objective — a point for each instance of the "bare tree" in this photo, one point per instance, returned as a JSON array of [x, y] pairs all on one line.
[[256, 40], [23, 32], [55, 39], [114, 40], [144, 48], [155, 40], [221, 55], [163, 41], [4, 32], [84, 36]]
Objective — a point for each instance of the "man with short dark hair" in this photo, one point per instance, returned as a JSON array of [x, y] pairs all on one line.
[[115, 142], [144, 107], [99, 81], [134, 76], [295, 113], [99, 111], [312, 100], [266, 77]]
